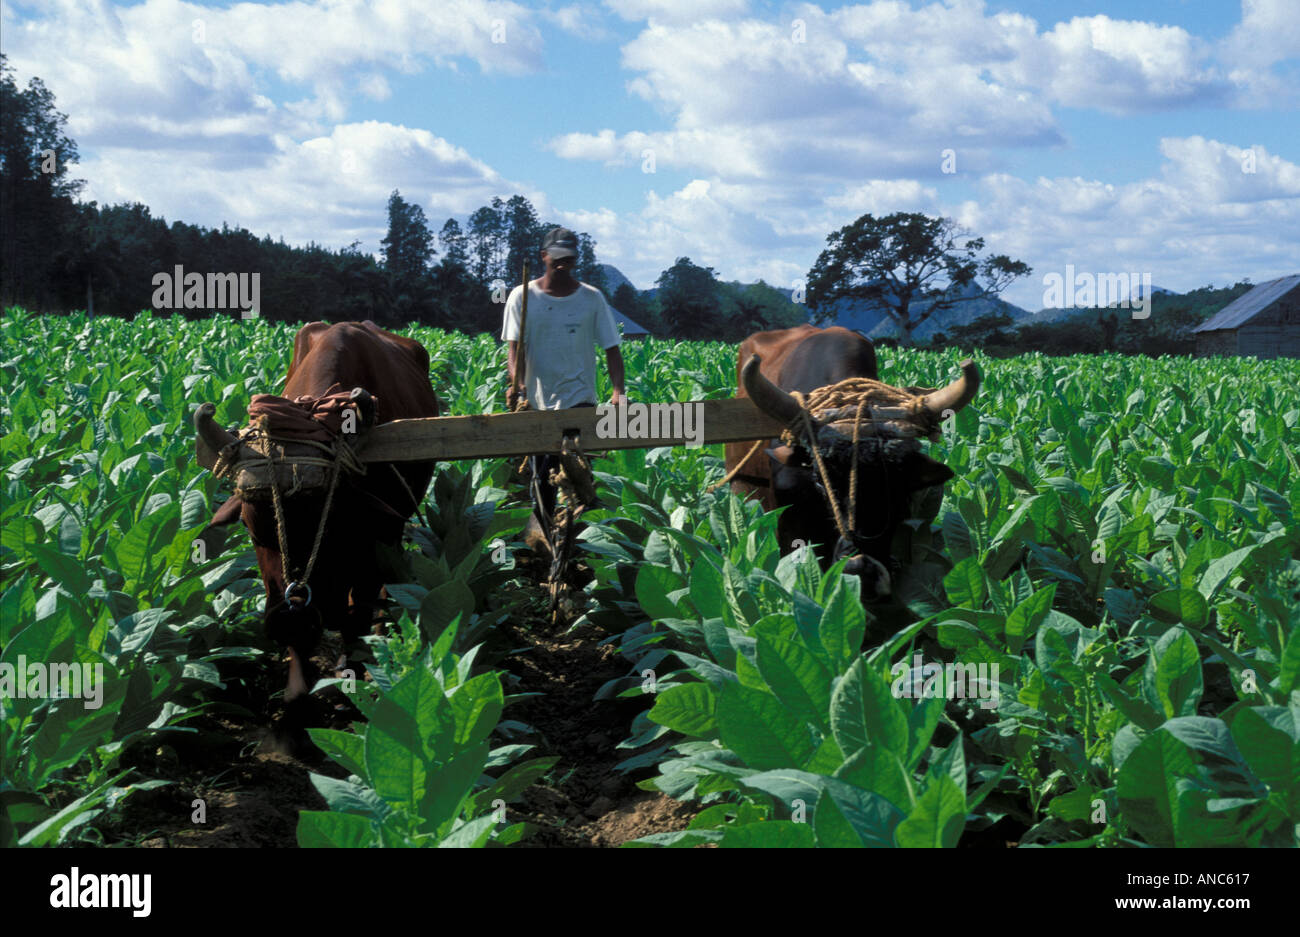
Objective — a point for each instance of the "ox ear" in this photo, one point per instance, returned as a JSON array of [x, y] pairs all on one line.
[[921, 471], [228, 513], [783, 454]]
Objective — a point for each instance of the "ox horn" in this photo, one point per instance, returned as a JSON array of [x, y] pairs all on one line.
[[769, 398], [957, 394], [211, 437]]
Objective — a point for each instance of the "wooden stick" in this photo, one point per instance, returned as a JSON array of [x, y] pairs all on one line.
[[492, 435]]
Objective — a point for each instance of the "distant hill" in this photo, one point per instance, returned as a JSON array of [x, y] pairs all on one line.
[[1059, 314], [614, 277], [873, 321]]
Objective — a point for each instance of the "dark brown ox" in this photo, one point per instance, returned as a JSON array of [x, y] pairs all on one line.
[[366, 512], [891, 467]]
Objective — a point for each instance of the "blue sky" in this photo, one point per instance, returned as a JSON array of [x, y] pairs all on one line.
[[1147, 136]]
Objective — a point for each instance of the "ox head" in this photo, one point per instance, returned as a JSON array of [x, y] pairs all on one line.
[[891, 470], [296, 609]]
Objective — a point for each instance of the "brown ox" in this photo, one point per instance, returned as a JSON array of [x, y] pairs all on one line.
[[367, 511], [890, 470]]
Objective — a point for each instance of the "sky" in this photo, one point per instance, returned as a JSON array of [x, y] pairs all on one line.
[[1144, 136]]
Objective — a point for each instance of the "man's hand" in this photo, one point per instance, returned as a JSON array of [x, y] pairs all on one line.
[[512, 397], [618, 398]]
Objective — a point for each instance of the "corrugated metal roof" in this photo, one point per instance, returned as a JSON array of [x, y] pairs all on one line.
[[1244, 308], [630, 328]]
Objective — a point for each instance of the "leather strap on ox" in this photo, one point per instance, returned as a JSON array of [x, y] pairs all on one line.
[[279, 431]]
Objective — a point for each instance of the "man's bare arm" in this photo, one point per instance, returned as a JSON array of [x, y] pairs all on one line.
[[512, 353], [614, 358], [512, 375]]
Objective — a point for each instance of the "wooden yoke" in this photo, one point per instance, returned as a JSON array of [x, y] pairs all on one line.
[[603, 428]]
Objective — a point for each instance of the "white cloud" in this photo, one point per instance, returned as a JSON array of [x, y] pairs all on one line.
[[1263, 51], [324, 189], [795, 128], [672, 11], [375, 86], [748, 99], [881, 197], [579, 19], [1269, 32], [881, 88], [1219, 173], [1122, 65], [183, 65], [1202, 220]]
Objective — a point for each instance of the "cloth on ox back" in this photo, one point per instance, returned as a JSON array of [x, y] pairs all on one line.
[[304, 418], [295, 437]]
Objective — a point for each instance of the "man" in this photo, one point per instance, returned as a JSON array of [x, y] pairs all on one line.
[[566, 319]]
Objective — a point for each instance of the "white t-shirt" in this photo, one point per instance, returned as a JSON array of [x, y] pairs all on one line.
[[560, 370]]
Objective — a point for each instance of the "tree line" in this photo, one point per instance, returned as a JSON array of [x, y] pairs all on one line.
[[1167, 330]]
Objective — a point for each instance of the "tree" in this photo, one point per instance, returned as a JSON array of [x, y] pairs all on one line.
[[688, 300], [36, 192], [453, 243], [627, 301], [760, 307], [408, 249], [588, 270], [89, 256], [487, 232], [990, 329], [362, 289], [912, 265], [408, 246], [523, 237]]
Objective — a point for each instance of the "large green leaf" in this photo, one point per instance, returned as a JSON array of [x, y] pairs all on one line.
[[967, 583], [653, 584], [770, 834], [346, 748], [325, 830], [1177, 673], [1272, 753], [864, 712], [848, 817], [880, 771], [938, 817], [798, 678], [690, 708], [758, 728], [476, 707], [410, 727], [1180, 605], [442, 605], [450, 784], [843, 623], [1150, 796], [1027, 616]]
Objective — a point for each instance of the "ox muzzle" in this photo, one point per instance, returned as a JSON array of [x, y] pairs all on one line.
[[874, 576]]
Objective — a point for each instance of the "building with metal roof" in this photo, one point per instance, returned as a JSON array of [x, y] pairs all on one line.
[[1264, 323], [629, 328]]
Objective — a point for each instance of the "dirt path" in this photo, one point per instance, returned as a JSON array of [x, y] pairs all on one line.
[[588, 803], [251, 793]]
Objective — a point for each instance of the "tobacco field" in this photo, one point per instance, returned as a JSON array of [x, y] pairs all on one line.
[[1118, 558]]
